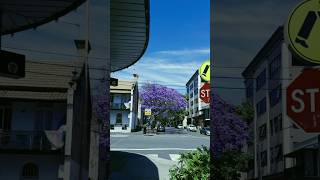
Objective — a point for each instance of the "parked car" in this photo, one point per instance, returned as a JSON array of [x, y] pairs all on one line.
[[205, 131], [161, 128], [192, 127], [180, 126]]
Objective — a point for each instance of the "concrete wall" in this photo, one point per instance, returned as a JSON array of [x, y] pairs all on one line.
[[11, 166]]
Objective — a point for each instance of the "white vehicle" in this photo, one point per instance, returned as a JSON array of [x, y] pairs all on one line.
[[192, 127], [180, 126]]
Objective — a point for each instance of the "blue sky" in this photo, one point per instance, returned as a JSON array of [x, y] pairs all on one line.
[[179, 39], [179, 43]]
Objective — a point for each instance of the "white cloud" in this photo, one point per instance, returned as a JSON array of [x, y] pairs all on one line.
[[173, 70], [185, 52]]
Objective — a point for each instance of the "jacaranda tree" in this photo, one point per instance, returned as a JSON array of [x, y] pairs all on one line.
[[164, 102], [230, 134], [229, 130]]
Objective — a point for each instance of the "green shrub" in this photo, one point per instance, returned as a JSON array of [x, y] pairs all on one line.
[[193, 165]]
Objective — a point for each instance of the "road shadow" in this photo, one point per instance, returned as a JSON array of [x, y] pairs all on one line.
[[130, 166]]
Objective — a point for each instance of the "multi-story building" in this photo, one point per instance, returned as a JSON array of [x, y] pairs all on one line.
[[124, 98], [273, 135], [198, 111]]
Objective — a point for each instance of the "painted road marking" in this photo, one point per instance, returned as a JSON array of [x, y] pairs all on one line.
[[152, 149], [153, 155], [118, 135]]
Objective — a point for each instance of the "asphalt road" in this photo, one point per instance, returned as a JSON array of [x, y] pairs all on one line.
[[132, 153]]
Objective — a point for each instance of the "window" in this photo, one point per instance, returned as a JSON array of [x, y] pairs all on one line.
[[196, 81], [263, 156], [276, 126], [195, 91], [271, 127], [275, 67], [262, 131], [261, 80], [277, 121], [111, 98], [251, 138], [280, 122], [278, 153], [43, 120], [191, 104], [191, 95], [271, 155], [119, 118], [249, 88], [191, 86], [5, 118], [275, 96], [261, 107], [30, 171]]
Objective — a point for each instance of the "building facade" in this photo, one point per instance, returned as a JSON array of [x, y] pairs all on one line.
[[273, 135], [44, 129], [198, 111], [125, 113]]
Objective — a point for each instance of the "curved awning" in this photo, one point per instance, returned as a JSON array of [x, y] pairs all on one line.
[[129, 32], [19, 15]]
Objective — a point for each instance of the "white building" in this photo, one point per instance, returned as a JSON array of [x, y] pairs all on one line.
[[198, 111], [272, 133], [125, 113], [44, 130]]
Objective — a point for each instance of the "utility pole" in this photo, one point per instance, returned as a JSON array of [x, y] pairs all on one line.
[[318, 164], [0, 27]]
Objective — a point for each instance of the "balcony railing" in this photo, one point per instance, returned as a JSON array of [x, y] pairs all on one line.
[[118, 106], [24, 140]]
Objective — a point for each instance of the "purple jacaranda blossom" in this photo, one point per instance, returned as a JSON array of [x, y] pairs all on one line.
[[229, 130], [101, 112], [161, 100]]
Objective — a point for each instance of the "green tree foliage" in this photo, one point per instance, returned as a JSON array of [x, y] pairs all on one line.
[[245, 111], [230, 165]]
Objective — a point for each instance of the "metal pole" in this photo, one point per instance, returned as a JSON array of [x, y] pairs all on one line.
[[318, 164], [0, 27]]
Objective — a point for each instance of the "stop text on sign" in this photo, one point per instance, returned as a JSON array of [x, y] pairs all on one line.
[[298, 96]]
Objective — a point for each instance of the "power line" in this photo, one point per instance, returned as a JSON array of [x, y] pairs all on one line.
[[104, 69]]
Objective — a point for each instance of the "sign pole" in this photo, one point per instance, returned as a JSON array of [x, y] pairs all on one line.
[[318, 155], [0, 27]]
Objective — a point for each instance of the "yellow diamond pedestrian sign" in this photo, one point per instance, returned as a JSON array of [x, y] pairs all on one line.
[[205, 71], [302, 31], [147, 112]]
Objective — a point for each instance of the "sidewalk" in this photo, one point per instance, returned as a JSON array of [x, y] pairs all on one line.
[[129, 166]]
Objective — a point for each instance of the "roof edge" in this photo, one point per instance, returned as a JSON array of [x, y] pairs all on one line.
[[147, 14], [278, 33]]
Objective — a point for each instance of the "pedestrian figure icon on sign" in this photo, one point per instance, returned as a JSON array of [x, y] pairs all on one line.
[[205, 71], [306, 28]]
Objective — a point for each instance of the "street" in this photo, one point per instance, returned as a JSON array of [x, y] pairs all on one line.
[[139, 156]]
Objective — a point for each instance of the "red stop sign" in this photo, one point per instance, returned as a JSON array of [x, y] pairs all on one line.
[[205, 93], [303, 100]]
